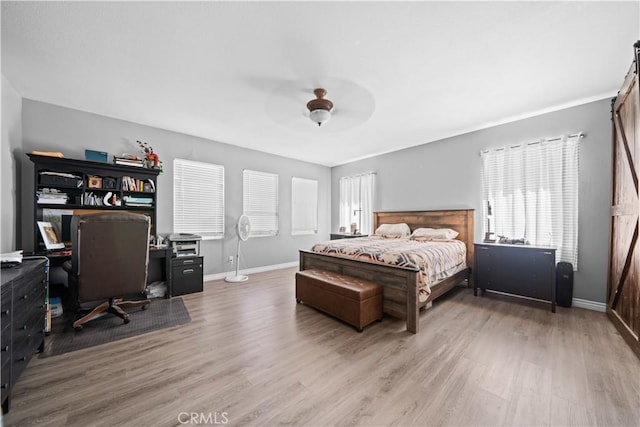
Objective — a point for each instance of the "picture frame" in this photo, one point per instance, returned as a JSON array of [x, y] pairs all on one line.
[[49, 236], [95, 182]]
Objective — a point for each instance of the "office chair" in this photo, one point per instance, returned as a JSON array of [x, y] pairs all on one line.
[[110, 255]]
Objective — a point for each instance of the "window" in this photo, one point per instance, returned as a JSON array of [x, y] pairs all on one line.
[[356, 202], [260, 202], [530, 192], [198, 198], [304, 206]]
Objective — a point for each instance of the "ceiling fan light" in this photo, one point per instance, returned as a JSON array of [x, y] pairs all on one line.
[[320, 116]]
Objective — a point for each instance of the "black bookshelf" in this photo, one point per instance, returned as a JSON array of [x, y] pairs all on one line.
[[91, 186]]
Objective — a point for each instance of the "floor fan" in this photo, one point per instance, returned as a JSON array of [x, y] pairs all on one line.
[[243, 227]]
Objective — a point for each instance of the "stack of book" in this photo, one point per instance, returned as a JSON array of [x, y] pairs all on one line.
[[91, 199], [51, 196], [138, 201], [134, 184], [129, 160]]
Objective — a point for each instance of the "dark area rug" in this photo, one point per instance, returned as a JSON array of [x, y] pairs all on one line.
[[161, 314]]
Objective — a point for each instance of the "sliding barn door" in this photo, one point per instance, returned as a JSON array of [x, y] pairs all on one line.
[[623, 305]]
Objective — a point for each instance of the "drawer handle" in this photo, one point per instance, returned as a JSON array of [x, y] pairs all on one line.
[[24, 297], [5, 348], [24, 327], [188, 261], [188, 271], [22, 359], [5, 312], [5, 386]]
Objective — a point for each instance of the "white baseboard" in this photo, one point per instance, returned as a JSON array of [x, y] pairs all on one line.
[[247, 271], [589, 305], [575, 302]]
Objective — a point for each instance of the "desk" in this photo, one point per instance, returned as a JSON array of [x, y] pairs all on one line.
[[164, 254]]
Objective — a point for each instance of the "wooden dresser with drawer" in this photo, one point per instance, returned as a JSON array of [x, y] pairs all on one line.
[[23, 312]]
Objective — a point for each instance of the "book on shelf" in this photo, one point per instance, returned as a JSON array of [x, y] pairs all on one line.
[[139, 185], [129, 160], [48, 153], [129, 163], [129, 156], [51, 196], [91, 199], [138, 201], [52, 201], [138, 205]]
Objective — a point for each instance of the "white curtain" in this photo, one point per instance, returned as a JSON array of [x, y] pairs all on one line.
[[367, 183], [532, 190], [356, 202], [304, 206]]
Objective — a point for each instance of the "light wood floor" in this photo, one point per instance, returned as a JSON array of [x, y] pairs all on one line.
[[251, 356]]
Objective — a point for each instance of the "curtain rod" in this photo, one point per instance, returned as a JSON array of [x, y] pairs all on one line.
[[358, 174], [557, 138]]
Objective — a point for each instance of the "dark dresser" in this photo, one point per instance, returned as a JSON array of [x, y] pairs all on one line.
[[186, 275], [523, 270], [23, 312], [336, 236]]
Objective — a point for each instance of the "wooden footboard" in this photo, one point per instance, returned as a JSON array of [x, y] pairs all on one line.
[[400, 284]]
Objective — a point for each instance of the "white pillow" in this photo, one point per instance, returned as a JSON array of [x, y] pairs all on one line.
[[393, 230], [434, 234]]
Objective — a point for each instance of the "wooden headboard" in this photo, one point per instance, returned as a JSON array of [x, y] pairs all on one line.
[[460, 220]]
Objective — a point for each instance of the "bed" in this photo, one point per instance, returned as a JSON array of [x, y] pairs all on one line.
[[401, 284]]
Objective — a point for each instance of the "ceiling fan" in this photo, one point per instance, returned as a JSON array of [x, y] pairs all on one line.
[[320, 108], [289, 104]]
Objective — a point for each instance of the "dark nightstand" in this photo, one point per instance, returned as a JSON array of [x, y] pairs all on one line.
[[523, 270], [336, 236]]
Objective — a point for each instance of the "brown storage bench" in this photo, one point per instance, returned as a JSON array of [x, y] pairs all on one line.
[[355, 301]]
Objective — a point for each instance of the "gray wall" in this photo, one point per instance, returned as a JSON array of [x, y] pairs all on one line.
[[440, 175], [54, 128], [9, 181], [446, 174]]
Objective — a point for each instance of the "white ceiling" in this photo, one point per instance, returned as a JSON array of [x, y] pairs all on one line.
[[399, 73]]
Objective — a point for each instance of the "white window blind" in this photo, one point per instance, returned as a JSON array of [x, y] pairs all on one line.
[[530, 192], [260, 202], [356, 202], [304, 205], [198, 198]]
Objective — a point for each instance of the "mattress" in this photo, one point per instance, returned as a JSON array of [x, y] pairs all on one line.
[[436, 260]]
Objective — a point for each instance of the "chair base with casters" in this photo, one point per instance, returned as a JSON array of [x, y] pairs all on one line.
[[114, 306]]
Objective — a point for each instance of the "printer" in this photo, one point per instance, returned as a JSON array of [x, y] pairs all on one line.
[[185, 244]]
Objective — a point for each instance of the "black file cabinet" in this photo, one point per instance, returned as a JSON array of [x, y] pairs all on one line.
[[186, 275]]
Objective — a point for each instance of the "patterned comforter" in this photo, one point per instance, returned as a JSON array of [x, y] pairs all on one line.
[[436, 260]]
